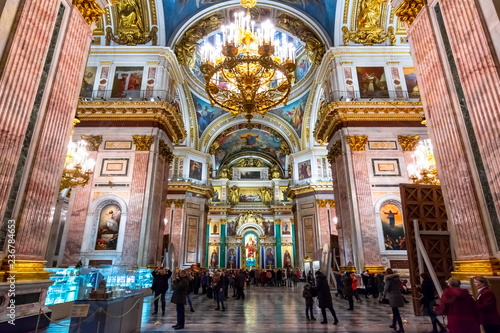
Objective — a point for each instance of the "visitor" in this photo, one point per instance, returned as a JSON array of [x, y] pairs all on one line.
[[459, 307], [392, 291], [306, 293], [324, 297], [160, 287], [348, 293], [180, 287], [428, 301], [487, 305]]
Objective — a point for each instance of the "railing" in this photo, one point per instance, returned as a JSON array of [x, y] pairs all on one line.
[[126, 95], [311, 181], [190, 180], [369, 95]]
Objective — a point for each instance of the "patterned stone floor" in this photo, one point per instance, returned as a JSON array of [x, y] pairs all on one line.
[[273, 309]]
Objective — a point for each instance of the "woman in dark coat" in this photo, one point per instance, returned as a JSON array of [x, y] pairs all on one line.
[[348, 292], [393, 293], [428, 291], [487, 305], [160, 287], [459, 306], [324, 297]]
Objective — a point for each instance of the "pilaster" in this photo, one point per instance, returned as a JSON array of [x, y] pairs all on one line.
[[222, 252], [277, 233]]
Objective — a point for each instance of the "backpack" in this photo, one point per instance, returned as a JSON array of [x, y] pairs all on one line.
[[313, 291]]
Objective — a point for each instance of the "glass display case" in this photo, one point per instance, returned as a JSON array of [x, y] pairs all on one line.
[[84, 283]]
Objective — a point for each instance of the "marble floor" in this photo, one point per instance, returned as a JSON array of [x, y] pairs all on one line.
[[273, 309]]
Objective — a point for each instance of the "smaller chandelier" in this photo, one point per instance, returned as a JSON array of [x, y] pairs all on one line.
[[249, 70], [423, 170], [77, 167]]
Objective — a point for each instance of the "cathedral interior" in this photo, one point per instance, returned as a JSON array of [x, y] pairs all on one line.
[[352, 135]]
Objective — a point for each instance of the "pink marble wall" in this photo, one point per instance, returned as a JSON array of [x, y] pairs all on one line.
[[177, 232], [481, 83], [76, 222], [323, 229], [19, 82], [340, 190], [136, 208], [43, 177], [370, 243]]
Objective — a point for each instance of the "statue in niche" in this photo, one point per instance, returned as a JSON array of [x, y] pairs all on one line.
[[224, 173], [266, 194], [369, 15], [130, 14]]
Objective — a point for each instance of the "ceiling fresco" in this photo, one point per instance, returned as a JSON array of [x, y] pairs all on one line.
[[205, 113], [293, 113], [179, 11], [250, 141]]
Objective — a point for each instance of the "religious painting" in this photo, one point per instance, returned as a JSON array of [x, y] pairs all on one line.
[[286, 228], [372, 82], [231, 259], [269, 228], [303, 66], [386, 167], [214, 258], [287, 257], [250, 175], [250, 195], [214, 230], [88, 82], [109, 225], [305, 170], [231, 228], [205, 113], [269, 259], [250, 242], [411, 82], [283, 194], [392, 227], [247, 141], [293, 113], [195, 169], [217, 194], [127, 82]]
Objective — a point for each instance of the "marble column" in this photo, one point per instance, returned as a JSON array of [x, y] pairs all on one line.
[[222, 252], [207, 243], [294, 243], [41, 114], [370, 252], [277, 233], [458, 75]]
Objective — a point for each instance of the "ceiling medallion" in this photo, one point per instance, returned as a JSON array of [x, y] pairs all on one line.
[[250, 69]]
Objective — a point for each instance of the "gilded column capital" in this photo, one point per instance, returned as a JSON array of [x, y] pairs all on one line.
[[357, 142], [93, 141], [209, 220], [323, 202], [408, 10], [142, 142], [166, 152], [178, 203], [277, 221], [89, 9], [292, 221], [408, 143], [335, 151], [223, 221]]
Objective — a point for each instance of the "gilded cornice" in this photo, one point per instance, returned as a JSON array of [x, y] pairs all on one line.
[[357, 142], [206, 191], [335, 151], [332, 116], [128, 111], [166, 152], [323, 202], [408, 10], [93, 142], [408, 143], [89, 9], [293, 191], [142, 142]]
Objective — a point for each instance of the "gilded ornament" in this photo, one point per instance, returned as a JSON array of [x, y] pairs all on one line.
[[89, 9], [285, 148], [178, 203], [213, 148], [142, 142], [408, 143], [266, 194], [322, 203], [93, 142], [408, 10], [336, 149], [368, 37], [132, 38], [369, 14], [277, 221], [234, 195], [186, 47], [357, 142], [275, 172], [165, 152], [314, 47], [248, 3]]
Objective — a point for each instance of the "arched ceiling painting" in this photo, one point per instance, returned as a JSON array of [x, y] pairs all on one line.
[[240, 140], [178, 11], [293, 113]]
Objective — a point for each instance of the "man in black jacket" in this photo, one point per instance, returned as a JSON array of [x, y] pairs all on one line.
[[180, 287], [160, 286]]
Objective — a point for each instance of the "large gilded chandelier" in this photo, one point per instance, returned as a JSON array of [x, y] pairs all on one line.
[[250, 69], [423, 170], [78, 167]]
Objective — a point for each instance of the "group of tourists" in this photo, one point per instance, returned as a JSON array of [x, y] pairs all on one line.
[[464, 314]]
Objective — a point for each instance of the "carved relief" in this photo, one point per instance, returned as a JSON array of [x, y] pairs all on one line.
[[142, 142]]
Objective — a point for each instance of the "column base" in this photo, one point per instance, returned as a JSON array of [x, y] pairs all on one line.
[[348, 269], [24, 270], [465, 269], [375, 269]]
